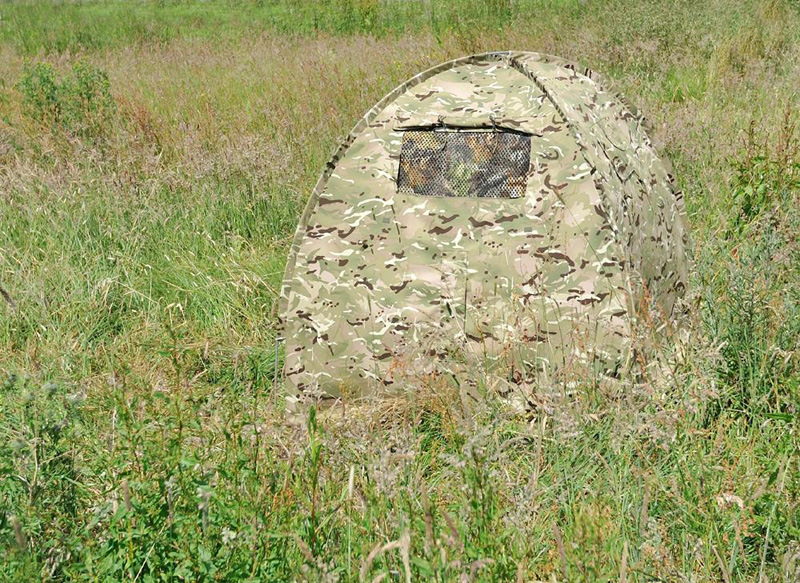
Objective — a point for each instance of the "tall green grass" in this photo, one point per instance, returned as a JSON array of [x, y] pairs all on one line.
[[73, 27]]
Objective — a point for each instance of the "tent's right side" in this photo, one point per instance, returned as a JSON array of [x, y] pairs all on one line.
[[643, 207]]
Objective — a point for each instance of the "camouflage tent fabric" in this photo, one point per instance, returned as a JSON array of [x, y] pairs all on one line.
[[506, 206]]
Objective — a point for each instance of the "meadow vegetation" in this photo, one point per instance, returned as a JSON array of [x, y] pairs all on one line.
[[154, 159]]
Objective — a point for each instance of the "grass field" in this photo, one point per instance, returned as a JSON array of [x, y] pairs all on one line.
[[154, 159]]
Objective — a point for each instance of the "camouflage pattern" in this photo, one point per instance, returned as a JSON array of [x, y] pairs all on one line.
[[383, 283]]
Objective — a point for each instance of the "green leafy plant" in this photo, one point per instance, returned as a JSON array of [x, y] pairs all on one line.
[[79, 103]]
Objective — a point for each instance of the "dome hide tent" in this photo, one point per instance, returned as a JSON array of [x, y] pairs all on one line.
[[505, 204]]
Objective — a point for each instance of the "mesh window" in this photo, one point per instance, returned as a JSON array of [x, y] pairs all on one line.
[[464, 163]]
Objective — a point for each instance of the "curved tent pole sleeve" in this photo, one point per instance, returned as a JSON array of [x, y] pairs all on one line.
[[276, 374]]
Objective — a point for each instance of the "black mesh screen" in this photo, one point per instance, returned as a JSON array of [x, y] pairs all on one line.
[[490, 164]]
